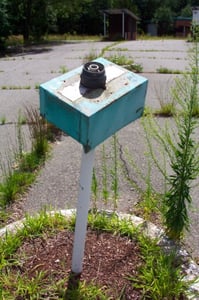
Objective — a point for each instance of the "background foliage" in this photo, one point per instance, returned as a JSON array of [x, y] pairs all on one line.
[[34, 19]]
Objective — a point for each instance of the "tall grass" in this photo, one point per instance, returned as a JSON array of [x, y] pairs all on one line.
[[18, 175]]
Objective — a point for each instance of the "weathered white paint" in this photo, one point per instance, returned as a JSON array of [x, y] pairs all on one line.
[[82, 210]]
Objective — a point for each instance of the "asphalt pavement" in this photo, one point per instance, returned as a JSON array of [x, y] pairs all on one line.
[[57, 183]]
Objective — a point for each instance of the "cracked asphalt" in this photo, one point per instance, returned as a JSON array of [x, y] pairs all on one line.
[[57, 183]]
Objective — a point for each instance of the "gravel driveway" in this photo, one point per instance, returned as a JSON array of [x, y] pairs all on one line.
[[57, 183]]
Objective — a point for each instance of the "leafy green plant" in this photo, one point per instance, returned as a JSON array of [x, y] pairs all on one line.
[[14, 185], [110, 222], [32, 288], [182, 151], [160, 275], [185, 166], [37, 225], [85, 291]]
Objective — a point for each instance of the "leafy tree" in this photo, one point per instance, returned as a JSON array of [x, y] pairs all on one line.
[[29, 18], [34, 18], [163, 17], [4, 24], [186, 11]]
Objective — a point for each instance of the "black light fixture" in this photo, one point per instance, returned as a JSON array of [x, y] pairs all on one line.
[[93, 75]]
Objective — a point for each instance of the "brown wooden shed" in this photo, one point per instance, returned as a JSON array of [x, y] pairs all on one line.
[[183, 26], [122, 23]]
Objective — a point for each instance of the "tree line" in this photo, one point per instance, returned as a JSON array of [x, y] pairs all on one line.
[[35, 18]]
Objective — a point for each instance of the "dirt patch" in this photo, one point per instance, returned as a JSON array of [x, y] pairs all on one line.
[[109, 260]]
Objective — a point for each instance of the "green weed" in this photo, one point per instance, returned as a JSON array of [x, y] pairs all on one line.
[[21, 118], [180, 149], [92, 55], [38, 132], [121, 60], [160, 275], [126, 62], [63, 69], [137, 68], [148, 198], [94, 188], [105, 189], [85, 291], [15, 184], [164, 70], [38, 84], [14, 87], [114, 171], [3, 120]]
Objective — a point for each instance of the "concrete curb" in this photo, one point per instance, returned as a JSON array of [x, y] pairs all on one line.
[[189, 267]]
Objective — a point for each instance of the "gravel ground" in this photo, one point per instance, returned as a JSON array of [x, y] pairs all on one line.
[[57, 183]]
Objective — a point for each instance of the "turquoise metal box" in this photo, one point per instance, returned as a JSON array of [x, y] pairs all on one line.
[[92, 115]]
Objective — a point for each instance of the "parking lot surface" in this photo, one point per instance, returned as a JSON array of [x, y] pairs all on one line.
[[57, 183]]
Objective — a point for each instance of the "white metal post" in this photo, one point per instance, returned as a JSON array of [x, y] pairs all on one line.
[[86, 171]]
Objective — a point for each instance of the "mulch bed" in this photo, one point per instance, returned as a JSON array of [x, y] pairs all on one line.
[[109, 260]]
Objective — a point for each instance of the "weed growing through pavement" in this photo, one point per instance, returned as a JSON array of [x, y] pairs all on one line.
[[14, 179], [126, 62], [38, 84], [3, 120], [118, 59], [21, 118], [114, 171], [121, 60], [15, 87], [90, 56], [63, 69], [147, 202], [105, 182], [19, 175], [167, 103], [164, 70], [38, 132], [105, 189], [94, 188]]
